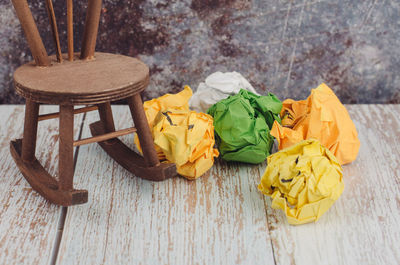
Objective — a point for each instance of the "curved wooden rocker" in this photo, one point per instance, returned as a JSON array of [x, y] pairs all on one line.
[[43, 182], [80, 79], [130, 160]]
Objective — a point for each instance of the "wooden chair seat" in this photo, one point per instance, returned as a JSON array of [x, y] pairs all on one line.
[[107, 77]]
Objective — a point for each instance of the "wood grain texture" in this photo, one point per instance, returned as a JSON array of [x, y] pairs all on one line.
[[28, 223], [362, 227], [218, 219]]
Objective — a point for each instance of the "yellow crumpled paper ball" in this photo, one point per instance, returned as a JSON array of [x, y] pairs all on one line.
[[181, 136], [186, 138], [321, 116], [179, 101], [303, 180]]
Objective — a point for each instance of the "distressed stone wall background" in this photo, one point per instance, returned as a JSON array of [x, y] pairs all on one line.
[[282, 46]]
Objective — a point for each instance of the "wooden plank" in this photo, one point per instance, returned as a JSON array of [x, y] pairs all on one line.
[[218, 219], [362, 227], [28, 223]]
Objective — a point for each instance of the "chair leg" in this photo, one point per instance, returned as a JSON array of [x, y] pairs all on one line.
[[30, 131], [143, 130], [147, 166], [59, 192], [66, 150], [106, 117]]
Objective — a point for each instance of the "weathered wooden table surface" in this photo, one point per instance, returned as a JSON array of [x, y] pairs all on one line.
[[217, 219]]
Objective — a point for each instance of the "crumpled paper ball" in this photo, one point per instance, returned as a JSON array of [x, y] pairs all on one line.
[[181, 136], [216, 87], [242, 124], [321, 116], [187, 139], [179, 101], [303, 180]]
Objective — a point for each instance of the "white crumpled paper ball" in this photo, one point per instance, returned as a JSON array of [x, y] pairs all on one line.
[[216, 87]]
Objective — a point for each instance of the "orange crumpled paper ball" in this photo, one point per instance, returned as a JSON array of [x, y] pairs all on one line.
[[321, 116]]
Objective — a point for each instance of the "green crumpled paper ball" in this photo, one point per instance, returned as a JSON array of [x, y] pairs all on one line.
[[242, 124]]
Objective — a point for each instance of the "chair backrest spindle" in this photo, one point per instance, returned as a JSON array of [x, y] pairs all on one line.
[[35, 42], [91, 29], [53, 23], [70, 30], [31, 32]]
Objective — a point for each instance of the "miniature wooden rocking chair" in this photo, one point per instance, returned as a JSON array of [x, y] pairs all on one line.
[[85, 79]]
